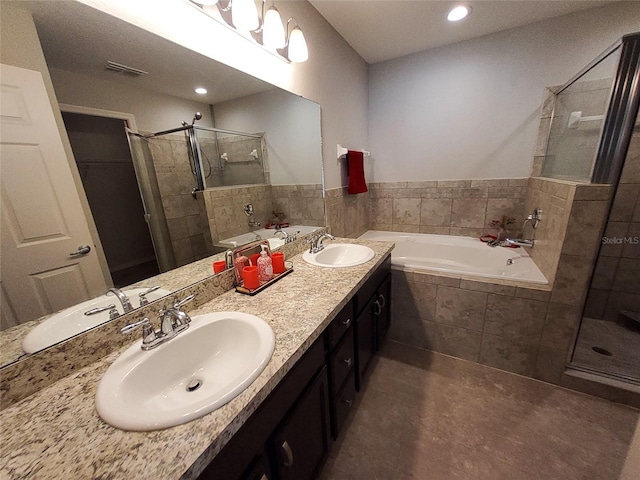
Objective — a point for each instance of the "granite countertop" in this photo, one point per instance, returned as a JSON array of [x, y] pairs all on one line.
[[56, 433]]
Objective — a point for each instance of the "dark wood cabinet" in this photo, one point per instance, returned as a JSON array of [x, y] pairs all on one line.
[[287, 438], [302, 442]]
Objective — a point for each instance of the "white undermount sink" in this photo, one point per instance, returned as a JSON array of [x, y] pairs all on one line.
[[191, 375], [337, 255], [72, 321]]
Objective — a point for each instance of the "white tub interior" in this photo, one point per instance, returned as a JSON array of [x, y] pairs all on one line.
[[459, 255]]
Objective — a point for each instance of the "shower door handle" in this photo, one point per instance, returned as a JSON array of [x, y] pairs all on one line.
[[82, 250]]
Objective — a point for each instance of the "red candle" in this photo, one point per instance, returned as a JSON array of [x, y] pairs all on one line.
[[250, 277]]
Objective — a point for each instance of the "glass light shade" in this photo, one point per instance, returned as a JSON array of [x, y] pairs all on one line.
[[244, 15], [273, 36], [205, 2], [458, 13], [298, 51]]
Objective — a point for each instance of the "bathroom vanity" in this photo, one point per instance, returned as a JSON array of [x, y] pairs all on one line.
[[328, 324]]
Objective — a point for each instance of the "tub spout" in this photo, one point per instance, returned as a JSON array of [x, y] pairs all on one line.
[[520, 242]]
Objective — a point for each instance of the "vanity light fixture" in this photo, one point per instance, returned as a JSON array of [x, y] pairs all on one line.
[[268, 30], [295, 50], [458, 13], [201, 91], [273, 36]]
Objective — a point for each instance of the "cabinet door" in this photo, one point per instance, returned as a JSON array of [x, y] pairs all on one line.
[[302, 442], [259, 470], [365, 337], [383, 320]]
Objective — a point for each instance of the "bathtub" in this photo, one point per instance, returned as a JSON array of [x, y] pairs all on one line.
[[458, 256]]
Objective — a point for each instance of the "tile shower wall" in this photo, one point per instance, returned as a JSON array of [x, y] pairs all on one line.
[[186, 216], [448, 207], [616, 283], [225, 209], [300, 204], [348, 215]]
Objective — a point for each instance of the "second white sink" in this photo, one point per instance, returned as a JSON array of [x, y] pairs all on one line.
[[191, 375], [337, 255]]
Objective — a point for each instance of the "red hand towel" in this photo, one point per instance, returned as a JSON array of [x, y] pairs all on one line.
[[355, 170]]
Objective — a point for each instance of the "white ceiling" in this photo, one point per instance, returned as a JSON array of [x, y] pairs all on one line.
[[81, 39], [381, 30]]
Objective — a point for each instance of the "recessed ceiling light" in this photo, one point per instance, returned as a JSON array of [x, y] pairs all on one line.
[[458, 13], [201, 90]]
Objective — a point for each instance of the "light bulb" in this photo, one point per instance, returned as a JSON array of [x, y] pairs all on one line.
[[201, 90], [458, 13], [273, 36], [244, 15], [298, 51]]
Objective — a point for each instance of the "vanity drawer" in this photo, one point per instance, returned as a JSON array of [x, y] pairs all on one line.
[[342, 360], [339, 326], [342, 404]]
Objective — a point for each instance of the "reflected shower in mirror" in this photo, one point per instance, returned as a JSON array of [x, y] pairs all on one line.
[[277, 167]]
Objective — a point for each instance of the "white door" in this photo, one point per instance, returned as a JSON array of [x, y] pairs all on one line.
[[42, 220]]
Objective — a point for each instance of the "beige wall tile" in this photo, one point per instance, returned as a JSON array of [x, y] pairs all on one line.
[[434, 230], [459, 342], [412, 299], [406, 211], [506, 354], [422, 277], [550, 365], [515, 318], [468, 212], [624, 203], [488, 287], [533, 294], [584, 229], [435, 212], [627, 277], [560, 326], [571, 280], [381, 210], [605, 272], [462, 308]]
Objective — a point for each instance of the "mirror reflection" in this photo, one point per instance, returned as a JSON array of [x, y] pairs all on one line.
[[167, 173]]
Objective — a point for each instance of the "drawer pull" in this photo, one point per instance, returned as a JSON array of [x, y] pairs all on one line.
[[347, 402], [379, 310], [346, 322], [384, 300], [288, 463], [348, 361], [264, 477]]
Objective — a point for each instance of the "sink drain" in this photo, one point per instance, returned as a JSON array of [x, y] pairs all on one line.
[[601, 351], [194, 385]]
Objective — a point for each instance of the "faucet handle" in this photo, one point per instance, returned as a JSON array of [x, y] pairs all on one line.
[[148, 332], [143, 295], [183, 301]]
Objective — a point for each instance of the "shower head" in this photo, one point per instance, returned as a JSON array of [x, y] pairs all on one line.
[[197, 116]]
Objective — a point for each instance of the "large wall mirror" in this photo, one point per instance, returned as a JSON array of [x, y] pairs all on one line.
[[133, 142]]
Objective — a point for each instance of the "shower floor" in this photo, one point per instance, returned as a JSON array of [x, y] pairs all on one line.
[[622, 343]]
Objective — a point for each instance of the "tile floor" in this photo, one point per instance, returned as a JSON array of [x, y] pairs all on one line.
[[622, 343], [425, 415]]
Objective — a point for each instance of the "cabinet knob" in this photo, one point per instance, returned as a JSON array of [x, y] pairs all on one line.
[[288, 463], [348, 361], [347, 402], [346, 322], [264, 477]]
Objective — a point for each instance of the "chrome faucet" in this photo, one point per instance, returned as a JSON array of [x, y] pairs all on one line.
[[520, 242], [316, 242], [248, 211], [173, 321], [124, 300]]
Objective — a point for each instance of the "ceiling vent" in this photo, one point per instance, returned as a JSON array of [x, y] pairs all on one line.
[[118, 67]]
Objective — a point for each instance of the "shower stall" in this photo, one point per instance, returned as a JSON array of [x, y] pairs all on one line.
[[594, 137], [174, 167]]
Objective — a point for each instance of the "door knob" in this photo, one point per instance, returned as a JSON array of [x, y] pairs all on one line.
[[82, 250]]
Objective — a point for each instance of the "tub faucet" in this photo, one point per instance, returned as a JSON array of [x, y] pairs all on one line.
[[520, 242], [316, 242], [124, 300]]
